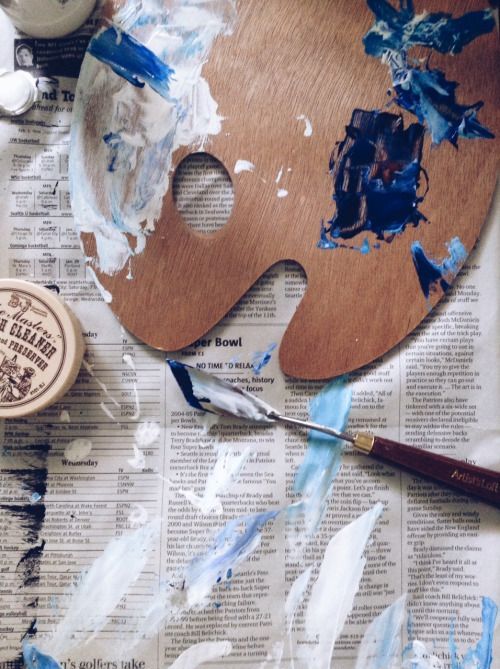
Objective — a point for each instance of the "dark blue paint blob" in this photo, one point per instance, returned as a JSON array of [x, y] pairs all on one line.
[[433, 274], [30, 517], [33, 480], [181, 374], [29, 565], [34, 659], [423, 91], [31, 631], [376, 176], [400, 30], [131, 60]]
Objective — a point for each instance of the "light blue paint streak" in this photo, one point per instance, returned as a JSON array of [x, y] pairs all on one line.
[[234, 543], [261, 358], [131, 60], [34, 659], [432, 273], [35, 497], [381, 644], [315, 478], [481, 656], [365, 246]]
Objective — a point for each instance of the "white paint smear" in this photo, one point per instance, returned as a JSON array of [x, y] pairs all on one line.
[[143, 129], [77, 450], [108, 413], [282, 192], [105, 294], [296, 596], [64, 416], [147, 433], [381, 644], [90, 369], [101, 588], [226, 470], [138, 515], [129, 360], [338, 581], [243, 166], [274, 657], [308, 131], [139, 459], [206, 651], [418, 657], [137, 413], [279, 175]]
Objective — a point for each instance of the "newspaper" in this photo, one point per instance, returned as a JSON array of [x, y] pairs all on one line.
[[438, 389]]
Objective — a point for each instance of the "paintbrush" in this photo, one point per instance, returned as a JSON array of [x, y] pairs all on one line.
[[208, 393]]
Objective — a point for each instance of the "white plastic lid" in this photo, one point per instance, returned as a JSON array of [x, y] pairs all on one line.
[[41, 348], [18, 92]]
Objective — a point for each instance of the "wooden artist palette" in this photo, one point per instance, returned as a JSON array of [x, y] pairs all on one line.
[[285, 62]]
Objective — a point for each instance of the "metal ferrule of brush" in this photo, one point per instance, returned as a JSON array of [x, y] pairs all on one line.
[[364, 442], [312, 426]]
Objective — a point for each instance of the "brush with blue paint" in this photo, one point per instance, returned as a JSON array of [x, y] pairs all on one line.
[[206, 392]]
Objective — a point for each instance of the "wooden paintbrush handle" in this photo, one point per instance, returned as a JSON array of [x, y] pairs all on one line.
[[467, 478]]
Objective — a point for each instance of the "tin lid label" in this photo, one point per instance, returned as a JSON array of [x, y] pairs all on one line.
[[41, 348], [33, 347]]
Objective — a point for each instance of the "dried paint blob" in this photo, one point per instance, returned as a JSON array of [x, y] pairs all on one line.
[[18, 92], [243, 166], [77, 450], [376, 178]]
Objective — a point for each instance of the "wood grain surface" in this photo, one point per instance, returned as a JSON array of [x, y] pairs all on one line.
[[285, 59]]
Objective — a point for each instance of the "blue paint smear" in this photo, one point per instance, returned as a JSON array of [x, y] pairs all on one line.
[[120, 153], [131, 60], [262, 358], [232, 545], [316, 475], [29, 565], [376, 177], [431, 97], [181, 374], [481, 656], [433, 274], [30, 516], [422, 91], [34, 659], [31, 631], [325, 243]]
